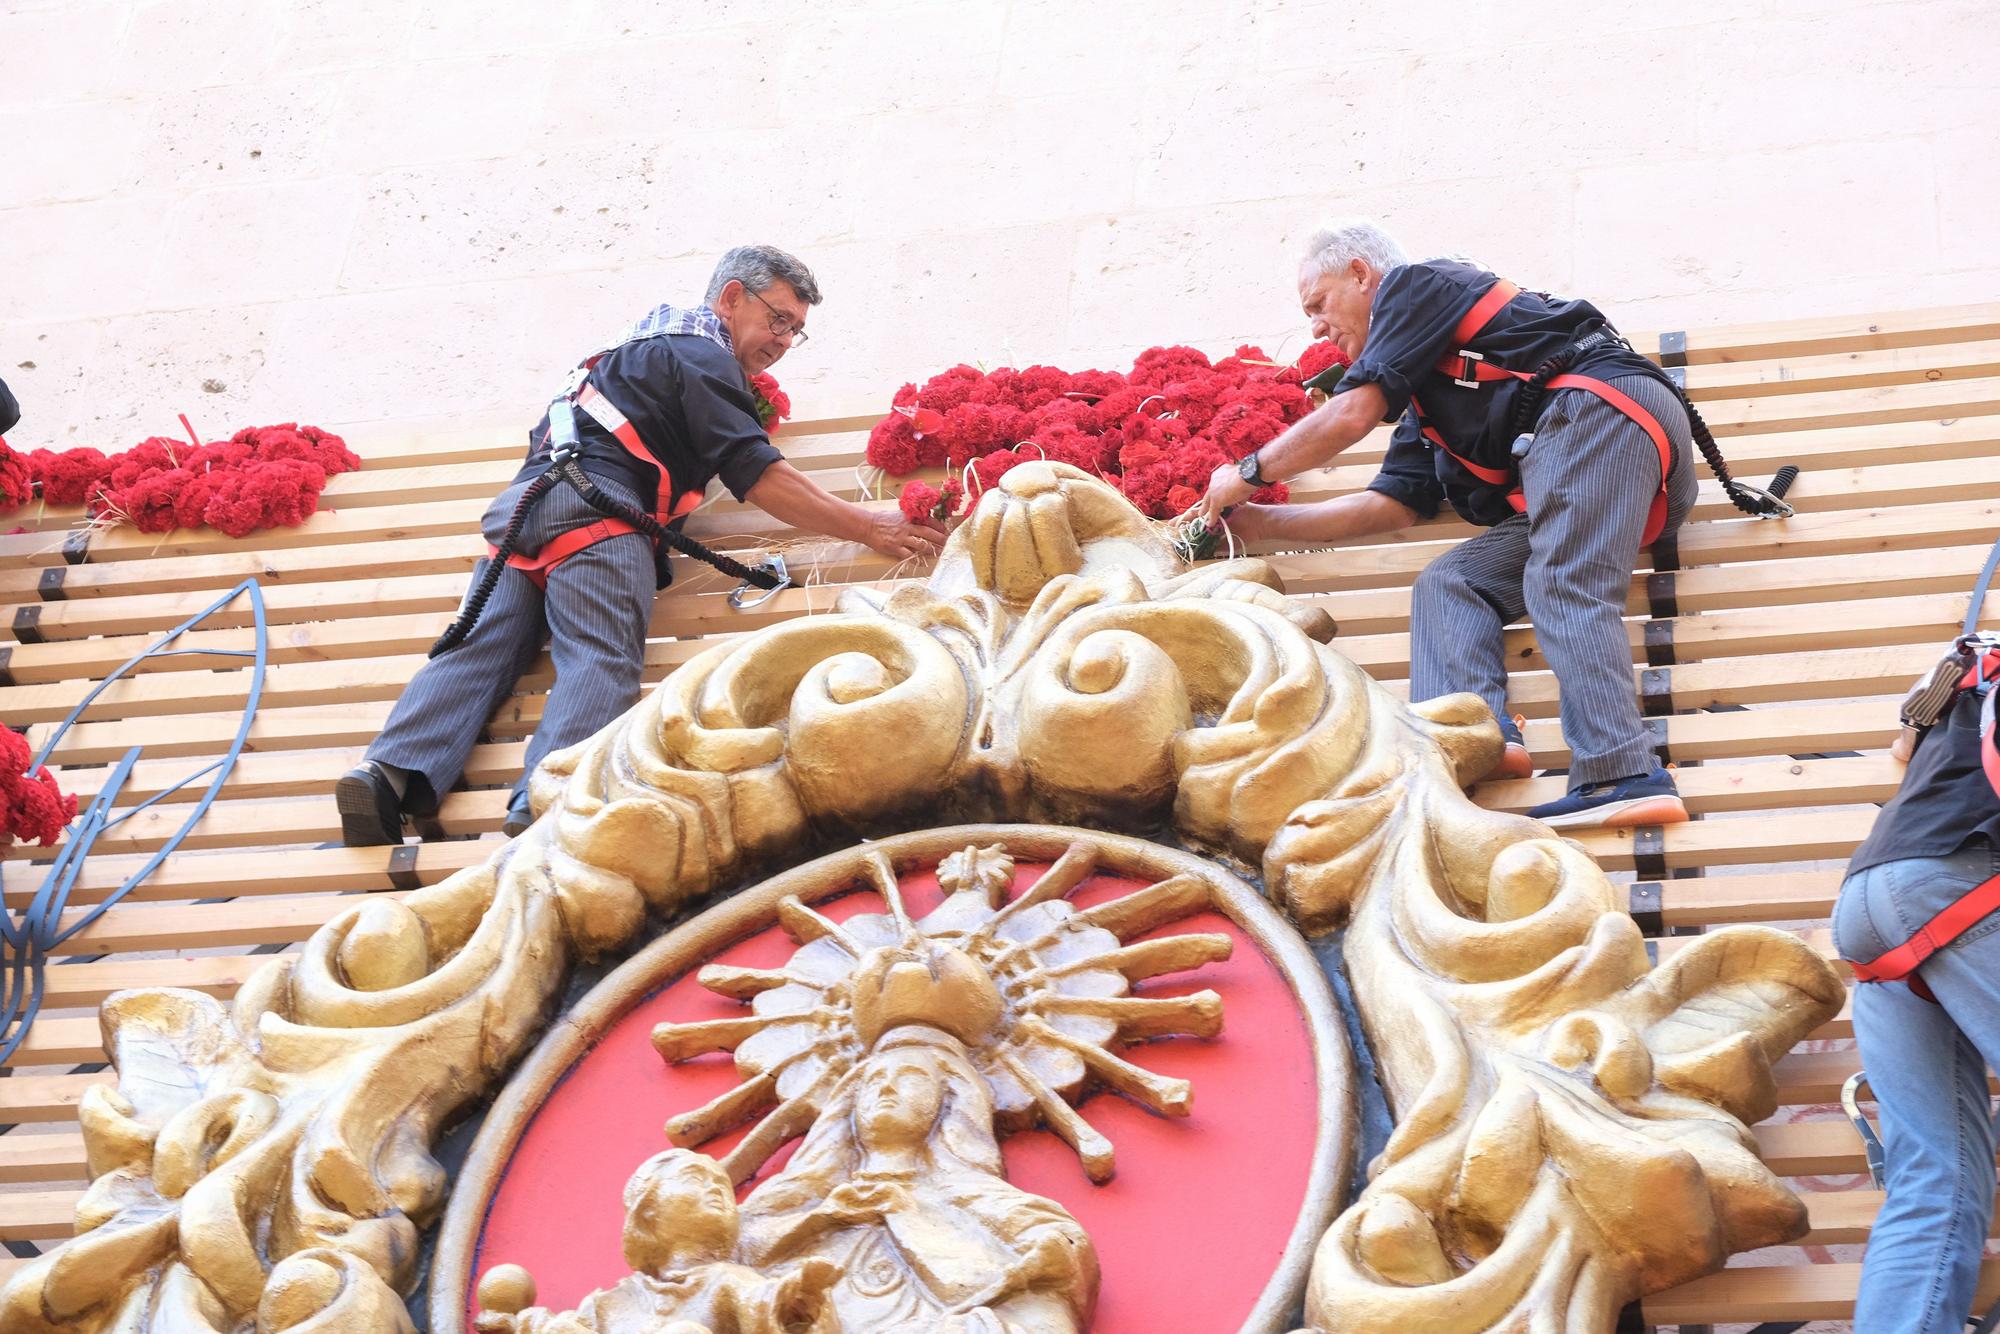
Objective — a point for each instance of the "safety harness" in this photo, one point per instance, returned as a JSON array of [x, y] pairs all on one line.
[[1469, 369], [619, 518], [1972, 663]]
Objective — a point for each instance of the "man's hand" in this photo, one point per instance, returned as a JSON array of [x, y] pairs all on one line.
[[788, 495], [1251, 522], [898, 538], [1226, 488]]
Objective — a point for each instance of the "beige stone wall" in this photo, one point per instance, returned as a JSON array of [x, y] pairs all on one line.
[[353, 210]]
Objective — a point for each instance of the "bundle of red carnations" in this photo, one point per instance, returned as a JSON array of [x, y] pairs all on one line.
[[261, 477], [32, 807], [773, 404], [1155, 432]]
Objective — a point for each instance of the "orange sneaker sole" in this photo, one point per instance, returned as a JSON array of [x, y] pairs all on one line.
[[1515, 763], [1625, 815]]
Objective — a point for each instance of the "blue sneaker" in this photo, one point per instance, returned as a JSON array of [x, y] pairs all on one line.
[[1650, 798]]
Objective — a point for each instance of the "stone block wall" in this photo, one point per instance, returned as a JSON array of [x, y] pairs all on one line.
[[388, 210]]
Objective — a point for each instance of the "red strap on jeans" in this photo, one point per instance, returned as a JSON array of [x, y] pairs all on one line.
[[1901, 964]]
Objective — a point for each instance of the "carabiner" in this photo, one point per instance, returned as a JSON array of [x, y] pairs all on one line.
[[771, 564], [1776, 507]]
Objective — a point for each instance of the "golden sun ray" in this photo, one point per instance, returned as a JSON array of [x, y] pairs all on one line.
[[1154, 958], [805, 925], [1093, 1150], [1141, 1018]]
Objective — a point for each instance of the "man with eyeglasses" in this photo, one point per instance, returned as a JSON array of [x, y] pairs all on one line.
[[661, 412]]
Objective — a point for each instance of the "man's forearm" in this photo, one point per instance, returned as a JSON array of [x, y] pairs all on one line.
[[1362, 514], [1314, 440], [791, 497]]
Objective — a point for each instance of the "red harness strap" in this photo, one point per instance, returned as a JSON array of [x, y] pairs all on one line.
[[559, 549], [1469, 368], [1901, 964], [1970, 908]]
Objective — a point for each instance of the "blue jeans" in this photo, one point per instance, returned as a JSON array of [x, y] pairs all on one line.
[[1927, 1066]]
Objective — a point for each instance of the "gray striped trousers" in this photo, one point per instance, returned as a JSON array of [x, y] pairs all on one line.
[[1567, 563], [593, 615]]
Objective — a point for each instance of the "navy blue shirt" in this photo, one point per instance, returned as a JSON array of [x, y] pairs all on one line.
[[1945, 798], [10, 411], [691, 404], [1417, 308]]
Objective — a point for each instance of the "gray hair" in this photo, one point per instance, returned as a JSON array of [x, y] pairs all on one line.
[[1338, 244], [757, 267]]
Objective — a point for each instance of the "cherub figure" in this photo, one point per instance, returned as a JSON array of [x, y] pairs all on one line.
[[681, 1239]]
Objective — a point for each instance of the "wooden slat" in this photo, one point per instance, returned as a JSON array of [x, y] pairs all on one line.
[[29, 1156], [38, 1215], [25, 1098], [272, 871], [1787, 1292]]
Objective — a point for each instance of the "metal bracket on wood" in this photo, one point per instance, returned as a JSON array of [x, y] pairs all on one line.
[[1667, 552], [1660, 643], [27, 624], [1649, 852], [51, 585], [1647, 908], [1656, 692], [403, 867], [1661, 599], [76, 548], [1674, 348]]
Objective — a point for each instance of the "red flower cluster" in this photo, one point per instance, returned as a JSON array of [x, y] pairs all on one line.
[[774, 405], [32, 807], [261, 477], [921, 500], [1155, 432], [15, 483]]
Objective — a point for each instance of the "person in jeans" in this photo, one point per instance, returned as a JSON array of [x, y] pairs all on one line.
[[1927, 1059]]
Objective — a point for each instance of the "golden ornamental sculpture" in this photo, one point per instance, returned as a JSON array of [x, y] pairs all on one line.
[[1570, 1123]]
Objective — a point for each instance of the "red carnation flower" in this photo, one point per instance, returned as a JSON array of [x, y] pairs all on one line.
[[947, 389], [1319, 357], [773, 404], [892, 445], [68, 477], [32, 806], [919, 501], [990, 468], [16, 483]]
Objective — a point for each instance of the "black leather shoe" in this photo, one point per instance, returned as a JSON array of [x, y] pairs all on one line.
[[371, 814]]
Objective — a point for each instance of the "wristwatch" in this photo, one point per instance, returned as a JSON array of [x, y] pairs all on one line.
[[1247, 469]]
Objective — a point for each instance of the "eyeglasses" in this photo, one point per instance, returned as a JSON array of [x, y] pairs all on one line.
[[781, 323]]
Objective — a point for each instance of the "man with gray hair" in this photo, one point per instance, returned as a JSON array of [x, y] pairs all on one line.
[[1532, 418], [658, 414]]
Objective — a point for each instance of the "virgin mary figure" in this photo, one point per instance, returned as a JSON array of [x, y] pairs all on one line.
[[900, 1183]]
